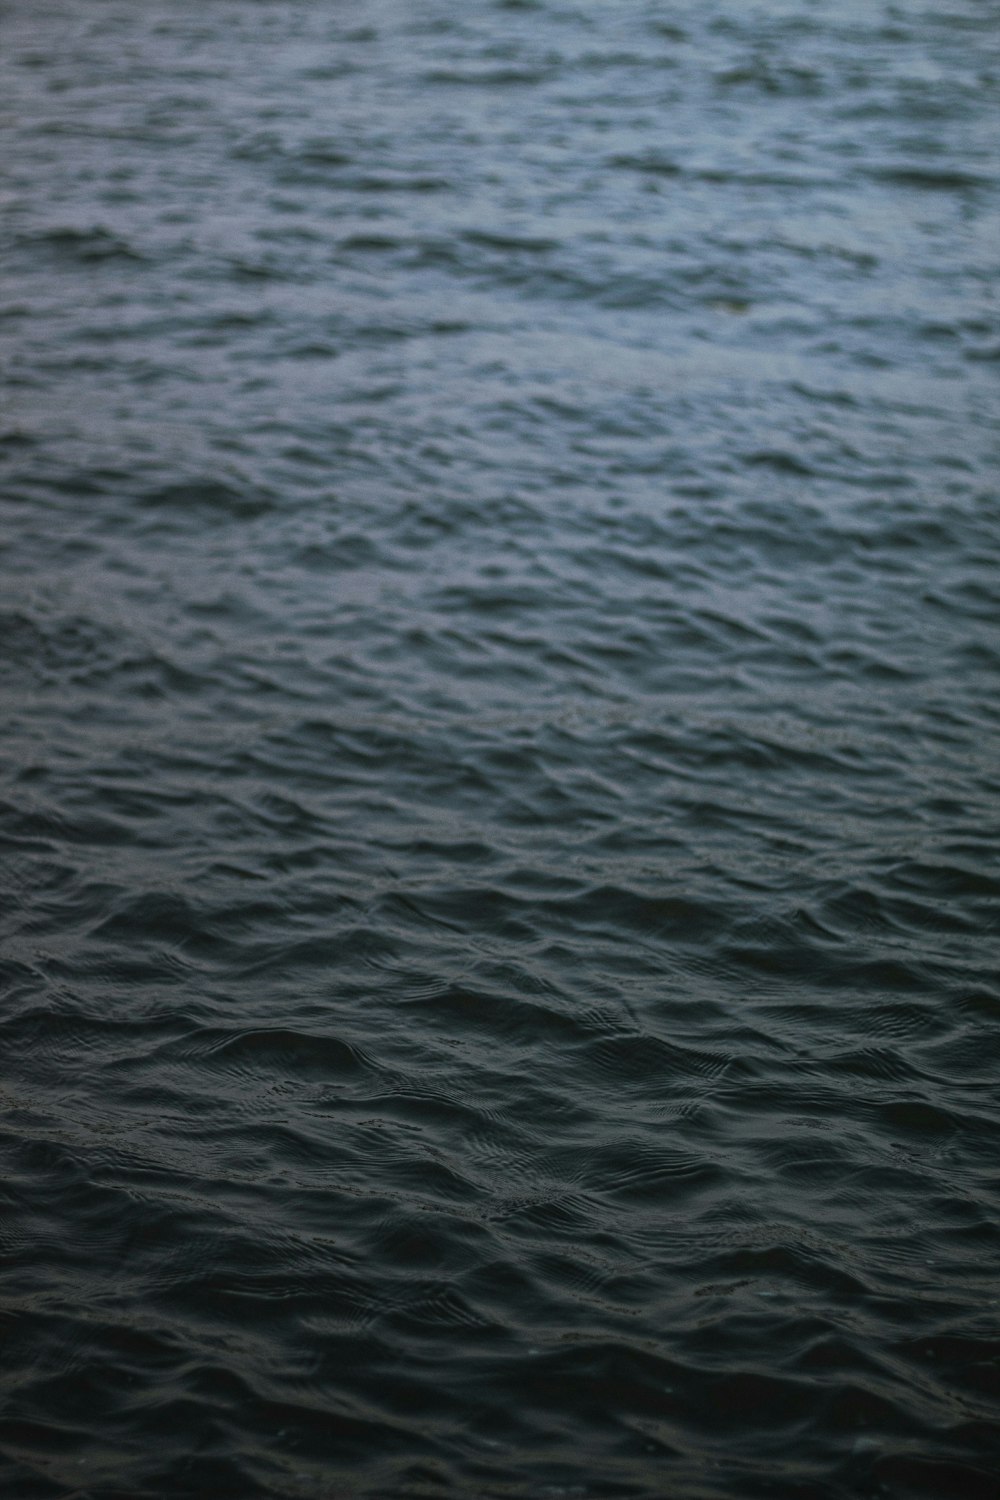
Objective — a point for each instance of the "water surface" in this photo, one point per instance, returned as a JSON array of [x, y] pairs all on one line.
[[499, 791]]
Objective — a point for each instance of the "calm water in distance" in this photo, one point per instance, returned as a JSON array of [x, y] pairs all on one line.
[[500, 771]]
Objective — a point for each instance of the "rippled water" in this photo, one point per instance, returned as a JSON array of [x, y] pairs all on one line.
[[501, 649]]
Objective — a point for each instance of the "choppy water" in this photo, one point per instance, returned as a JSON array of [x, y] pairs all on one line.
[[501, 650]]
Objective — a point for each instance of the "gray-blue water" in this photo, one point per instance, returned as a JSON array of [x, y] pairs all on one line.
[[500, 775]]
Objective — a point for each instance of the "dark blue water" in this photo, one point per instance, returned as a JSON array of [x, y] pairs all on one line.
[[500, 779]]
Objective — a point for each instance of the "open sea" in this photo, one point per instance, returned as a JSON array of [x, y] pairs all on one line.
[[500, 753]]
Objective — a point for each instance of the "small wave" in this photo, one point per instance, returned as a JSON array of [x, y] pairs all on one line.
[[944, 179], [85, 246], [210, 497]]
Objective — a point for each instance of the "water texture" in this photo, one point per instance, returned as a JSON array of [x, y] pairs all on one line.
[[500, 782]]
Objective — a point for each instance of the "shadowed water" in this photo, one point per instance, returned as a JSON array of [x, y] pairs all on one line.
[[499, 789]]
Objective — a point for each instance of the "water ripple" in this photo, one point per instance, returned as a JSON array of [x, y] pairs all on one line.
[[499, 799]]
